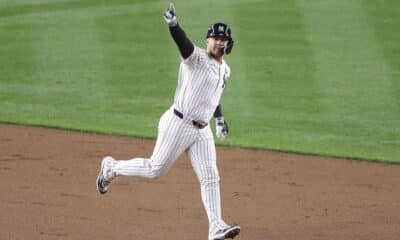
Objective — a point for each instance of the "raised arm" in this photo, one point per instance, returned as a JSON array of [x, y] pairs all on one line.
[[185, 46]]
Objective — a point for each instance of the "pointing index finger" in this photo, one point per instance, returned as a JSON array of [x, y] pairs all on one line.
[[172, 7]]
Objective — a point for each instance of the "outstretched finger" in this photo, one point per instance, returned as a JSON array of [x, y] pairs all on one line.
[[172, 7]]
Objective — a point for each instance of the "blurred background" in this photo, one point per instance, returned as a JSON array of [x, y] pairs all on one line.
[[315, 77]]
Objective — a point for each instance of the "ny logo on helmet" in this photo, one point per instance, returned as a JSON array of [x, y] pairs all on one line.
[[221, 29]]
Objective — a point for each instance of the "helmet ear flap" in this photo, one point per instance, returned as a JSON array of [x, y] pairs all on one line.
[[229, 46]]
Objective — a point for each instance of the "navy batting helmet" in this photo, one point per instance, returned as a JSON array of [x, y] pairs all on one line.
[[221, 30]]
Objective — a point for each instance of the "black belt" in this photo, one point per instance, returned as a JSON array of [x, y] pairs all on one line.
[[197, 124]]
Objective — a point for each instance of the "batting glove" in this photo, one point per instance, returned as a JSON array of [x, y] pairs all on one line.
[[221, 127], [170, 16]]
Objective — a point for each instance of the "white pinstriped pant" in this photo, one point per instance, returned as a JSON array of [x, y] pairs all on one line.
[[176, 136]]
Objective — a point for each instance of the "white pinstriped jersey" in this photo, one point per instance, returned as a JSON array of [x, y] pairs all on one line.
[[201, 81]]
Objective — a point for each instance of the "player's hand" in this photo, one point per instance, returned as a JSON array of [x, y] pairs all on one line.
[[170, 15], [221, 128]]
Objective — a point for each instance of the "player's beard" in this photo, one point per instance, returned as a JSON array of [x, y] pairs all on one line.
[[217, 52]]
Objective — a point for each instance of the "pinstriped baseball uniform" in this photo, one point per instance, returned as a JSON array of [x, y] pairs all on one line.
[[201, 82], [184, 127]]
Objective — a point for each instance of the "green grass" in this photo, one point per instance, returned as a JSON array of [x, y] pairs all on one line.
[[319, 77]]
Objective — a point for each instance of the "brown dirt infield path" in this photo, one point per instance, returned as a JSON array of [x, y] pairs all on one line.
[[48, 192]]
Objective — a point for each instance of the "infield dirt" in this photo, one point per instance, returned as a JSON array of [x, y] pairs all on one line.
[[48, 192]]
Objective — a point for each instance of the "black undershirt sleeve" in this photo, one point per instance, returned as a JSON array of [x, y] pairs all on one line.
[[218, 111], [185, 46]]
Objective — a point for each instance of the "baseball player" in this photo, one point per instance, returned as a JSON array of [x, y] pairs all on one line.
[[184, 127]]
